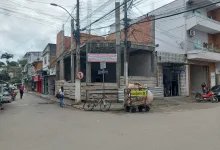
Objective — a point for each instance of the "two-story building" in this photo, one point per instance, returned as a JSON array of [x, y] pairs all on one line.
[[49, 69]]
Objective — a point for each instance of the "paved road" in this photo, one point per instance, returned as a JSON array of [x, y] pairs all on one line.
[[29, 124]]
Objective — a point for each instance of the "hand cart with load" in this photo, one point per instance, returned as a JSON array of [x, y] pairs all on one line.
[[137, 97]]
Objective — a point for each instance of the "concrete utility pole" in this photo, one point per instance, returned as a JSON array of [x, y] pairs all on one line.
[[61, 59], [125, 42], [72, 53], [78, 82], [118, 41]]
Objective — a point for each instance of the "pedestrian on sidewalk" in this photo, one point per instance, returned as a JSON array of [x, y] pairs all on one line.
[[61, 96], [21, 89]]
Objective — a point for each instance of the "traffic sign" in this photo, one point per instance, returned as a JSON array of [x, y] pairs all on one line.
[[79, 75], [102, 71], [102, 65]]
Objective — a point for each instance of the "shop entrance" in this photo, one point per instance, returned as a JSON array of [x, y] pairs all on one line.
[[171, 82], [198, 75]]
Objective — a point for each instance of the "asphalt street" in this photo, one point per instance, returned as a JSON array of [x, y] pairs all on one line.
[[31, 124]]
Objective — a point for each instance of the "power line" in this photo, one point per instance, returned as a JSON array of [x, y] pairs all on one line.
[[175, 13]]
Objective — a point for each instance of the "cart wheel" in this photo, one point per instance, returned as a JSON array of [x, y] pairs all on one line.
[[140, 108], [127, 109], [133, 109], [147, 108]]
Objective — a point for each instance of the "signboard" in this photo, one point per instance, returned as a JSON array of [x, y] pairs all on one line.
[[79, 75], [102, 71], [92, 57], [138, 93], [213, 81], [102, 65], [53, 71], [36, 78]]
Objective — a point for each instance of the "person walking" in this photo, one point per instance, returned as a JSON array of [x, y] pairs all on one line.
[[61, 96], [21, 89]]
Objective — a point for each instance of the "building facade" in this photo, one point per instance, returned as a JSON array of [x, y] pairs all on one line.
[[27, 71], [49, 57], [188, 51]]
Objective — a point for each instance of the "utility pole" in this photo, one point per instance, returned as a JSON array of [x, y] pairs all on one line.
[[118, 41], [77, 81], [61, 60], [72, 53], [125, 42]]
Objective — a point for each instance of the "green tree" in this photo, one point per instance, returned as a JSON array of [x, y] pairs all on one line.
[[13, 64], [4, 76], [7, 56], [22, 62], [2, 64]]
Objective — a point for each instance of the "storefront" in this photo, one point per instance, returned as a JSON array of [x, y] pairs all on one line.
[[172, 71], [200, 72], [44, 77], [38, 83]]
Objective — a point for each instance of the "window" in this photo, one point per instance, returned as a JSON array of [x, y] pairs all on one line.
[[45, 60], [197, 44]]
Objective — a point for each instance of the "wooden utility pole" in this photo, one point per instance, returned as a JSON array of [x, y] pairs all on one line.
[[77, 81]]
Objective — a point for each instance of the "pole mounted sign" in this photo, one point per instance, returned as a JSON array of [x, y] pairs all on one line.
[[111, 58], [79, 75]]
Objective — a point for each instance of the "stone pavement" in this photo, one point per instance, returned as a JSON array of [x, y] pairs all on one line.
[[166, 102]]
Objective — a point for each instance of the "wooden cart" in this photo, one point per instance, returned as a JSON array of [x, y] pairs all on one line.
[[136, 99]]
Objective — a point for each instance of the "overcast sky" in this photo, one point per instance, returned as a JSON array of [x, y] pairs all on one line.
[[28, 25]]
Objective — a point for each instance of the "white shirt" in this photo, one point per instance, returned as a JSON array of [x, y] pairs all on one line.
[[61, 93]]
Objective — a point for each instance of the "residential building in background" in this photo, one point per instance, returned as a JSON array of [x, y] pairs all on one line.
[[28, 69], [37, 76], [49, 67]]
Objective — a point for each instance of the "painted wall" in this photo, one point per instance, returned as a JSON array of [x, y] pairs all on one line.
[[140, 64], [201, 36]]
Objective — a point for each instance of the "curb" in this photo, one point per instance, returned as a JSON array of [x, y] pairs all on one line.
[[50, 99]]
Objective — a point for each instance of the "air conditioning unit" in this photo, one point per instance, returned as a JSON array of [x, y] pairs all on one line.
[[192, 33], [189, 2]]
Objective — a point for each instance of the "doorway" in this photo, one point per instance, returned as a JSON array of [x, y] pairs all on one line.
[[171, 82]]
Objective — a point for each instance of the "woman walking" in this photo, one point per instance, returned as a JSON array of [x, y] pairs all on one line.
[[61, 96], [21, 89]]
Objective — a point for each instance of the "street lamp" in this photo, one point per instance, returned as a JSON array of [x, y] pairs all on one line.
[[54, 4], [77, 38]]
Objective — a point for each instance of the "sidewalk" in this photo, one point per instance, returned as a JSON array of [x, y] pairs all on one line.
[[119, 106]]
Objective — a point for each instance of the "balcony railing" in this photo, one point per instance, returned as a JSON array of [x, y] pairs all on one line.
[[203, 17], [209, 47]]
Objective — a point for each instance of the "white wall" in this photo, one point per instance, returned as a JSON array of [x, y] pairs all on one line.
[[170, 32], [202, 36], [45, 65]]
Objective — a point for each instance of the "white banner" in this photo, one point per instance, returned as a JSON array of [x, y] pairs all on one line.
[[102, 57]]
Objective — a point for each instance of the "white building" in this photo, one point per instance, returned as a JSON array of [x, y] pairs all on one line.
[[194, 34], [189, 45]]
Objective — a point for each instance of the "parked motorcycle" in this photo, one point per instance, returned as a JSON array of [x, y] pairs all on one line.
[[209, 96], [13, 96]]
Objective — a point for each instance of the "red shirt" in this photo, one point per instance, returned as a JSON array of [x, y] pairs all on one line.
[[21, 88]]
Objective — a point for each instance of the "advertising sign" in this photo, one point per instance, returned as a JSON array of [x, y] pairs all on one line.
[[92, 57]]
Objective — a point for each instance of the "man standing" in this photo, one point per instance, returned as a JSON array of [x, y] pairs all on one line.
[[21, 91]]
